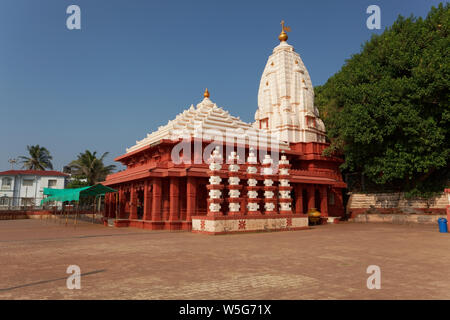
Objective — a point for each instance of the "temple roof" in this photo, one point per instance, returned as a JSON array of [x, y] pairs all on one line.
[[207, 120], [286, 97]]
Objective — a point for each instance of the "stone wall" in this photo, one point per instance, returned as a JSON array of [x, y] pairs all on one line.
[[399, 218], [394, 203]]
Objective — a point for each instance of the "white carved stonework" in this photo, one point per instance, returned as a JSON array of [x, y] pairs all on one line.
[[234, 181], [285, 206], [252, 206], [284, 160], [215, 194], [252, 182], [268, 182], [252, 170], [269, 206], [207, 120], [219, 226], [284, 183], [252, 159], [268, 194], [234, 193], [267, 170], [216, 157], [252, 194], [286, 99], [284, 171], [285, 194], [215, 180], [214, 207], [234, 207], [215, 166]]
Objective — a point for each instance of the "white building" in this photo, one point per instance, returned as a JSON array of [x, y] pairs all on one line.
[[25, 187]]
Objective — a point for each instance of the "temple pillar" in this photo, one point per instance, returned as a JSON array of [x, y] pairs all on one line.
[[284, 188], [311, 197], [299, 199], [252, 188], [156, 199], [120, 203], [191, 197], [324, 201], [234, 193], [133, 203], [111, 205], [147, 201], [174, 193], [106, 208], [114, 205], [215, 187], [270, 201], [165, 200]]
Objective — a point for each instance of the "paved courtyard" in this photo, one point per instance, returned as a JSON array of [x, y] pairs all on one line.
[[325, 262]]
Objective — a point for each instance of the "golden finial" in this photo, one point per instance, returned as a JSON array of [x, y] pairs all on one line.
[[206, 94], [283, 35]]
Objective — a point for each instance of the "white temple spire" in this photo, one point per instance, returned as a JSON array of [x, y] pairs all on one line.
[[286, 97]]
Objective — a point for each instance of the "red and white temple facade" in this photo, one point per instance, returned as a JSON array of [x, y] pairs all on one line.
[[210, 172]]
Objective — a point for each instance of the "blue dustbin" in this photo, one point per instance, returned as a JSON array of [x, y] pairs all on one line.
[[442, 225]]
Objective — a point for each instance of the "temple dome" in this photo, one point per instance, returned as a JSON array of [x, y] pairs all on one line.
[[286, 98]]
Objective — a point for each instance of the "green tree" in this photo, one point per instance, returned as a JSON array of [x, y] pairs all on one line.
[[387, 111], [77, 182], [90, 167], [39, 159]]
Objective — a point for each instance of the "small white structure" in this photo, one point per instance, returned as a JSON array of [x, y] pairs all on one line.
[[25, 187]]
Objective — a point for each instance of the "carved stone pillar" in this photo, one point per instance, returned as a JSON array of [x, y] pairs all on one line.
[[269, 189], [299, 199], [252, 188], [156, 199], [133, 203], [311, 197], [147, 201], [284, 187], [174, 199], [191, 197], [234, 187], [324, 201], [215, 187]]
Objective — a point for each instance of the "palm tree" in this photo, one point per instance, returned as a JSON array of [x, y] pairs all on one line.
[[39, 159], [90, 167]]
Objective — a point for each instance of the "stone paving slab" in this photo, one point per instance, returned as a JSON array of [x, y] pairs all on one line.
[[325, 262]]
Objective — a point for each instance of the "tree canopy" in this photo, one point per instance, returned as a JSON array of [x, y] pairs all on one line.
[[90, 167], [39, 158], [387, 111]]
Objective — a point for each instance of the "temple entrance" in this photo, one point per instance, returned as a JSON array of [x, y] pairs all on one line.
[[305, 200], [202, 197], [317, 200]]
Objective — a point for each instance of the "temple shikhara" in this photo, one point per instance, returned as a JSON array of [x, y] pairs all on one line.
[[210, 172]]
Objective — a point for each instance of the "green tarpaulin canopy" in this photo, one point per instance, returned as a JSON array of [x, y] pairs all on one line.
[[75, 194]]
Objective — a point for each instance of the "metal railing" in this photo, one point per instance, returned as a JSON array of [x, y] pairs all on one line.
[[34, 204]]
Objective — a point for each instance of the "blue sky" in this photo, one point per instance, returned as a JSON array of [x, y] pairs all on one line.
[[136, 64]]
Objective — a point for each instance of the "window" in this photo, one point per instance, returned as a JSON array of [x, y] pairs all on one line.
[[28, 182], [51, 183], [263, 123], [4, 201], [27, 202], [6, 183]]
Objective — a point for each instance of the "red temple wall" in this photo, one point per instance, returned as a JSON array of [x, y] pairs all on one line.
[[165, 196]]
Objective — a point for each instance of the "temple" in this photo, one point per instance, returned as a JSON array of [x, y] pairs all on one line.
[[210, 172]]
